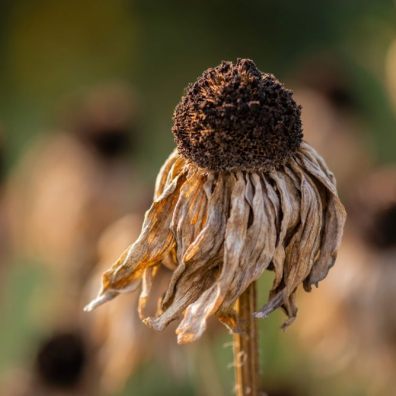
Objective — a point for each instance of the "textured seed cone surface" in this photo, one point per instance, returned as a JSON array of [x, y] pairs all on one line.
[[237, 118], [241, 194]]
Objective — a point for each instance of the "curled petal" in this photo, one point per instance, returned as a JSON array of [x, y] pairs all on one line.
[[259, 246], [162, 176], [154, 241], [147, 284], [186, 220], [289, 212], [195, 317], [334, 220], [334, 214], [301, 250], [314, 164], [204, 249], [188, 290], [197, 268]]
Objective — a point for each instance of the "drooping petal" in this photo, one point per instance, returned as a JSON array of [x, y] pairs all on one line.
[[289, 211], [188, 290], [185, 220], [197, 267], [334, 214], [201, 251], [301, 249], [334, 220], [162, 176], [154, 241], [259, 245], [147, 284], [314, 164], [155, 280], [308, 153], [196, 315]]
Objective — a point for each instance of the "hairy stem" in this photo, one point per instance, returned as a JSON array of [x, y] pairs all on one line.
[[246, 346]]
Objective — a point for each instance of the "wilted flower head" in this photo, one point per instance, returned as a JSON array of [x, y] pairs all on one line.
[[241, 194]]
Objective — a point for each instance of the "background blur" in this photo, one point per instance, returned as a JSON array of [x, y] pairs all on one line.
[[87, 94]]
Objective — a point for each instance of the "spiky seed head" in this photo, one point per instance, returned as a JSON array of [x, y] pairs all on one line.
[[234, 117]]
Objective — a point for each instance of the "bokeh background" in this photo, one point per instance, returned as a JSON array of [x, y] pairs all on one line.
[[87, 93]]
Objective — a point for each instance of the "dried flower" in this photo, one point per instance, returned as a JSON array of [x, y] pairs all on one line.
[[241, 194], [70, 185]]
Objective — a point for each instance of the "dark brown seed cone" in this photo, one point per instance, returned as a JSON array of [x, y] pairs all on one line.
[[235, 117]]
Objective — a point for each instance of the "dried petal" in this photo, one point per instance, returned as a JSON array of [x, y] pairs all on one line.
[[290, 214], [204, 249], [334, 215], [154, 240], [303, 245], [162, 176], [259, 246], [194, 321]]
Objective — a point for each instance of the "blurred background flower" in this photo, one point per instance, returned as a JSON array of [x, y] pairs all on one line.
[[88, 89]]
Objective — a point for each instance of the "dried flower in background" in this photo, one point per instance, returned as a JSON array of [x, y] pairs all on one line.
[[372, 304], [332, 118], [61, 367], [329, 329], [241, 194], [121, 338], [67, 188], [357, 332]]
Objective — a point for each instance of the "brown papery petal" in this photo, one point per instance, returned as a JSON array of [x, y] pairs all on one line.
[[314, 164], [188, 290], [178, 167], [190, 202], [302, 248], [334, 220], [154, 241], [185, 222], [162, 176], [147, 284], [196, 271], [334, 217], [260, 240], [204, 249], [290, 215], [194, 321]]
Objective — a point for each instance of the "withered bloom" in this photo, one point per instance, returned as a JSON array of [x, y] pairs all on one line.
[[242, 193]]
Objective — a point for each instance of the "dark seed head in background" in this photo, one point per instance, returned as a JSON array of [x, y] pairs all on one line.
[[61, 360]]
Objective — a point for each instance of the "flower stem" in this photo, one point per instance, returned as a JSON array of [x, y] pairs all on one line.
[[246, 346]]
